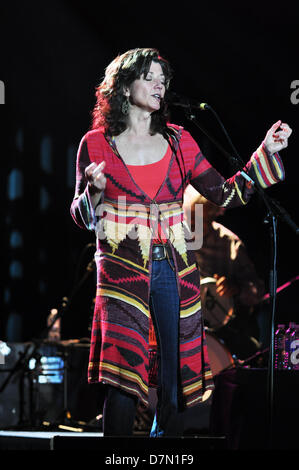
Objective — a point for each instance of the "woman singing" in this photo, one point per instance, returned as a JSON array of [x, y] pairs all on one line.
[[132, 169]]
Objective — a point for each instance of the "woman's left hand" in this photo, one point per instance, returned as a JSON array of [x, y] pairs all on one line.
[[275, 139]]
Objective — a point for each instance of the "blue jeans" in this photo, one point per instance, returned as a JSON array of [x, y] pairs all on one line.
[[120, 407], [165, 307]]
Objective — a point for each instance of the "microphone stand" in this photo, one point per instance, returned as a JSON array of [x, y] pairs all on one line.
[[274, 211]]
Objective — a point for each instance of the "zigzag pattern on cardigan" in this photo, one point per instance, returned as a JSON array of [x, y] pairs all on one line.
[[120, 352]]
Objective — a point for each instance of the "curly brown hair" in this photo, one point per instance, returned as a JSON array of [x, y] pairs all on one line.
[[119, 74]]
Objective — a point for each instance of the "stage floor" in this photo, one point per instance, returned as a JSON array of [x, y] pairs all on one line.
[[46, 440], [48, 434], [107, 446]]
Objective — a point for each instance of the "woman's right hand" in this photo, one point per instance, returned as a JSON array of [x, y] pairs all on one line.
[[96, 177]]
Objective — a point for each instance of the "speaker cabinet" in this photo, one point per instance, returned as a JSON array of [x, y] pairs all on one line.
[[47, 384]]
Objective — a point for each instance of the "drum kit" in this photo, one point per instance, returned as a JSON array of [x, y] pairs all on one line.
[[228, 343], [228, 332]]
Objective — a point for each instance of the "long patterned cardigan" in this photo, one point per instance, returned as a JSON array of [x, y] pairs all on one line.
[[123, 224]]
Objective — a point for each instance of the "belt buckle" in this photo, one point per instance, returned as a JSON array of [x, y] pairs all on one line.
[[161, 248]]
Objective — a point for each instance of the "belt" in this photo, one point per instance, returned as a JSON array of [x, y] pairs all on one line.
[[160, 252]]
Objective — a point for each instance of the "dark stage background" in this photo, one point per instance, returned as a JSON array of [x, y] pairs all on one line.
[[239, 57]]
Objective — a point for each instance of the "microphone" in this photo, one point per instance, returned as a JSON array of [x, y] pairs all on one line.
[[174, 99]]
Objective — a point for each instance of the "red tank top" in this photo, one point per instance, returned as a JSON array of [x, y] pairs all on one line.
[[150, 178]]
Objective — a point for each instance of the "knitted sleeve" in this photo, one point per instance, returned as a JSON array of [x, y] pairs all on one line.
[[82, 210], [262, 168]]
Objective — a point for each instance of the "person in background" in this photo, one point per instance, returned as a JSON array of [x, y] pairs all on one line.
[[231, 287]]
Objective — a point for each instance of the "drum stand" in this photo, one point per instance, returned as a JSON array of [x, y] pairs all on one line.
[[244, 362], [274, 211]]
